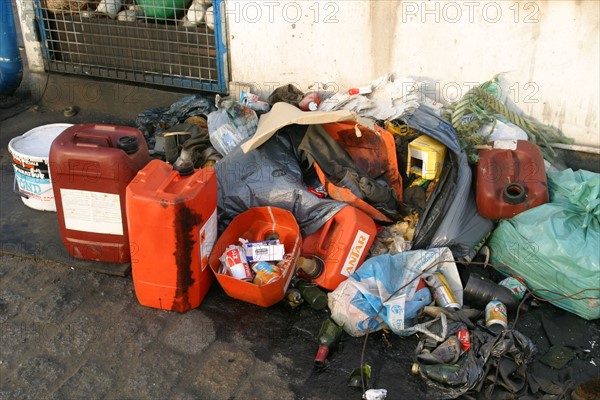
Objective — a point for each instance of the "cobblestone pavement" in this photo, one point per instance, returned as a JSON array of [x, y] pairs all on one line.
[[71, 333]]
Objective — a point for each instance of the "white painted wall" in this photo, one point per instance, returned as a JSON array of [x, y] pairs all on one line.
[[548, 49]]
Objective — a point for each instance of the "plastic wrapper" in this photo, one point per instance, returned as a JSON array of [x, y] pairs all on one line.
[[231, 124], [389, 285], [451, 218], [538, 244]]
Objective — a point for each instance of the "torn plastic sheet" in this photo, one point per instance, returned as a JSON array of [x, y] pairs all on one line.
[[271, 176]]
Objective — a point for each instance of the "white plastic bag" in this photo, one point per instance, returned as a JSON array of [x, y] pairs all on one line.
[[109, 7], [356, 301]]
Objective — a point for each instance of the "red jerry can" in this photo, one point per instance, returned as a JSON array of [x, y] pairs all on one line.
[[511, 178], [91, 165]]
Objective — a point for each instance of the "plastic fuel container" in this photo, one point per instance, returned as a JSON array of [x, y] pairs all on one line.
[[172, 218], [511, 178], [91, 165], [342, 244]]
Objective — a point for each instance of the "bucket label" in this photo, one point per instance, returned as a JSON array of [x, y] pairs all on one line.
[[29, 167], [207, 239], [33, 186], [356, 251], [95, 212]]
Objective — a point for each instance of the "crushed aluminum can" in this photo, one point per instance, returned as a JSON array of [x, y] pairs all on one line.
[[515, 285], [265, 273], [464, 337], [234, 261]]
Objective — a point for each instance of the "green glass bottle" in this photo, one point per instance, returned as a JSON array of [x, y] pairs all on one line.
[[314, 296], [329, 335], [451, 374]]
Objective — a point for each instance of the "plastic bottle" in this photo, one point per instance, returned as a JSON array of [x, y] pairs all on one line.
[[480, 290], [329, 336], [310, 102], [360, 90], [314, 296]]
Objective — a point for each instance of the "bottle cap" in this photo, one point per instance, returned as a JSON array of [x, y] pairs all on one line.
[[184, 168], [129, 144]]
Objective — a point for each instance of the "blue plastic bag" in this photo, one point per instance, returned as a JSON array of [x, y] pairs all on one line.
[[555, 247]]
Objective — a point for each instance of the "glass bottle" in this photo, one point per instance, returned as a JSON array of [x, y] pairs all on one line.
[[314, 296], [329, 335]]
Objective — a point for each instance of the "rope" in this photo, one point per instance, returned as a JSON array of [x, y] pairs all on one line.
[[485, 105]]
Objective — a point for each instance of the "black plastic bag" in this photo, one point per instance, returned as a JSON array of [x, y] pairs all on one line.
[[451, 218], [271, 176], [156, 120]]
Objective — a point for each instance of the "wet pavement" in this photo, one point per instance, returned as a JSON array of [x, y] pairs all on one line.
[[70, 331]]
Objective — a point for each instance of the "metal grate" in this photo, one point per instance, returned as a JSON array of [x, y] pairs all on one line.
[[162, 42]]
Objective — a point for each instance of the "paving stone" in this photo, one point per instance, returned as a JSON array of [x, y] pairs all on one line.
[[152, 376], [26, 277], [10, 303], [56, 304], [260, 389], [40, 374], [74, 337], [265, 381], [223, 370], [17, 338], [8, 267], [91, 380], [191, 334]]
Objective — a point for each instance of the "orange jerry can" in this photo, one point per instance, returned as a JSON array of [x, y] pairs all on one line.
[[511, 178], [342, 244], [91, 166], [172, 217]]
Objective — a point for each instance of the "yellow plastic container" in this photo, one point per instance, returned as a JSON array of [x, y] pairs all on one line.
[[425, 157]]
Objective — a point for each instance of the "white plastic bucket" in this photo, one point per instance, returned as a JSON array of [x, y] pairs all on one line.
[[30, 159]]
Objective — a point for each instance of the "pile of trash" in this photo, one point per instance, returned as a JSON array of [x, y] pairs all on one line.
[[438, 188], [371, 203]]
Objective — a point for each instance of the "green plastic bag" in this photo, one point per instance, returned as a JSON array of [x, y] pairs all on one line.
[[556, 246]]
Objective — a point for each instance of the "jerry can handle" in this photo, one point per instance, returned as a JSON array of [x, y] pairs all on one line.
[[95, 137], [16, 190], [323, 236]]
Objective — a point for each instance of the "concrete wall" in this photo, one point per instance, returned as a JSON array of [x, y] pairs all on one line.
[[548, 49]]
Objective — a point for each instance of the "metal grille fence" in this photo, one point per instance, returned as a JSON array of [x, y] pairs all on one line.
[[177, 43]]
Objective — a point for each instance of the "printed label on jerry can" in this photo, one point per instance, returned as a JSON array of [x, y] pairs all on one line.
[[358, 247]]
